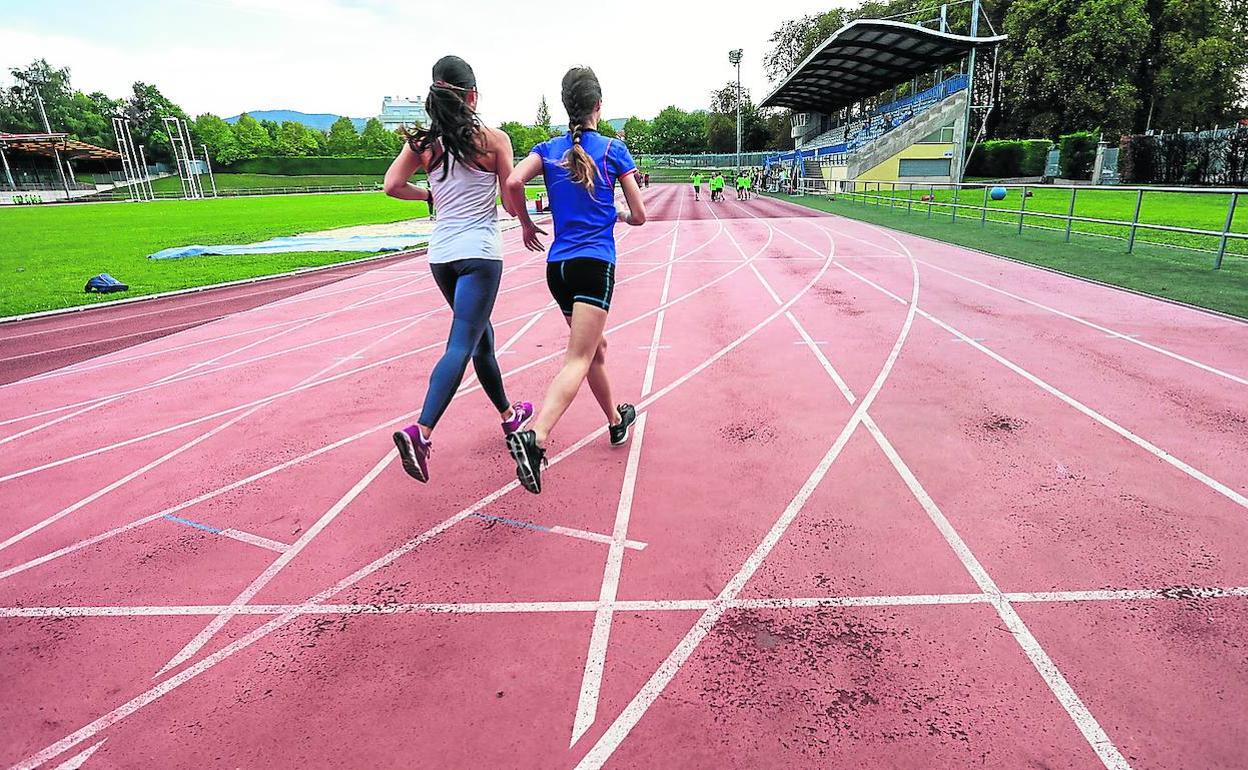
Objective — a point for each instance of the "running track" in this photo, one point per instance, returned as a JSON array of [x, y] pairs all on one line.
[[38, 345], [890, 503]]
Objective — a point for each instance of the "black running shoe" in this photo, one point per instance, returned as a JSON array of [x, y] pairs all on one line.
[[530, 459], [628, 416]]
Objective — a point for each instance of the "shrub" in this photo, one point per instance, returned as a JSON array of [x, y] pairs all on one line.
[[1005, 158], [1078, 154], [308, 165]]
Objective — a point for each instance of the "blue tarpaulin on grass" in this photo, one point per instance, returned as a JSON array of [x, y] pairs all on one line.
[[365, 243]]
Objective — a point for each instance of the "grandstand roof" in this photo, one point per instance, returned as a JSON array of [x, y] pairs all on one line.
[[44, 144], [866, 57]]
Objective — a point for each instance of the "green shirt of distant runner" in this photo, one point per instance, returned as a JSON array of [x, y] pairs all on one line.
[[697, 185]]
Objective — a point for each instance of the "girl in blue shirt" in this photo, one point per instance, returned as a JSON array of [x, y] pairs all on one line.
[[580, 169]]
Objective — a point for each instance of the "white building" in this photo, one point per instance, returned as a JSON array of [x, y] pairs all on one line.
[[397, 111]]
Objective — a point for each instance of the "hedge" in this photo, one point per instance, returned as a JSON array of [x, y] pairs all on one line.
[[1205, 158], [303, 166], [1078, 154], [1006, 158]]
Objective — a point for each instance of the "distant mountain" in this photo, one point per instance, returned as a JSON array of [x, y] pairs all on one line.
[[319, 121]]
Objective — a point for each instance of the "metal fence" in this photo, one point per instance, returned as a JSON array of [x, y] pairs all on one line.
[[709, 160], [901, 195]]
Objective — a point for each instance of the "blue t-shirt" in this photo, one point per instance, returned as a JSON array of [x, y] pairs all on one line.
[[584, 223]]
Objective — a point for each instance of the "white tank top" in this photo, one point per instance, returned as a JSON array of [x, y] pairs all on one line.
[[467, 223]]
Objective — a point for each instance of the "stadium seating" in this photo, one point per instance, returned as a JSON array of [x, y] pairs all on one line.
[[838, 145]]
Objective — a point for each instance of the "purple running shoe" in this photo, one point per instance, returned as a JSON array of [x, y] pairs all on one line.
[[521, 413], [414, 452]]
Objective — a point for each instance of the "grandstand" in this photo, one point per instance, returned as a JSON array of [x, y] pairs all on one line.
[[29, 164], [850, 119]]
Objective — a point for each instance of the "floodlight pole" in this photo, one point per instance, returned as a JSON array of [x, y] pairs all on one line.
[[970, 94], [47, 127], [8, 173], [734, 57]]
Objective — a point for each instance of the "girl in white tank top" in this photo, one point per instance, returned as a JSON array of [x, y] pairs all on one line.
[[465, 162]]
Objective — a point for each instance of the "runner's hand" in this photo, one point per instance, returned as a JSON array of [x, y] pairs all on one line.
[[529, 232]]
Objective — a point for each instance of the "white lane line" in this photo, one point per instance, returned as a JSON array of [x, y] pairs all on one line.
[[1075, 708], [78, 760], [126, 709], [256, 540], [280, 562], [1093, 325], [56, 420], [596, 656], [595, 537], [579, 534], [657, 683], [1173, 594]]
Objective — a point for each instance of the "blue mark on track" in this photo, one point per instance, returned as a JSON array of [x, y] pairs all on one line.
[[189, 523]]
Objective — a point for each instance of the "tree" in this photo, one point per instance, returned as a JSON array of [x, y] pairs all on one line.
[[19, 110], [271, 128], [218, 137], [90, 118], [343, 139], [295, 139], [523, 137], [606, 129], [1071, 65], [637, 135], [543, 115], [795, 39], [721, 132], [251, 138], [676, 131], [147, 107], [1195, 68], [377, 141], [778, 125]]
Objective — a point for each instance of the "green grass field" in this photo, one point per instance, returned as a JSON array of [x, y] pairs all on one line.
[[1173, 273], [1200, 211], [48, 252], [270, 181]]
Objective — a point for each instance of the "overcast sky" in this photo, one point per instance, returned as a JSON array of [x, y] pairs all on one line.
[[342, 56]]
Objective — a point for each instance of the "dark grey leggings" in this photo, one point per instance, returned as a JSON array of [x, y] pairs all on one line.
[[470, 287]]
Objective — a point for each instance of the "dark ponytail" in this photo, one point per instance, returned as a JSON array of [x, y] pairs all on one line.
[[451, 120], [581, 94]]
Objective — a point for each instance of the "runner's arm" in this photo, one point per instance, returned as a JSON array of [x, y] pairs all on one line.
[[503, 167], [513, 190], [632, 196], [397, 184]]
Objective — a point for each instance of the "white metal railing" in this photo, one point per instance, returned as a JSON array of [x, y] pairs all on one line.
[[900, 195]]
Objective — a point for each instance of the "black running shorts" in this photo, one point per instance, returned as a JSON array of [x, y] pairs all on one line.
[[583, 279]]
